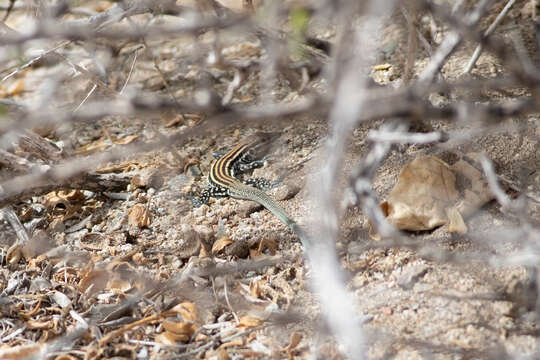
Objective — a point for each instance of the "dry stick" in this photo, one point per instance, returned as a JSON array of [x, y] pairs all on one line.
[[111, 335], [412, 40], [55, 176], [489, 30], [450, 43], [14, 162], [214, 340], [165, 82], [13, 219], [84, 33], [231, 88], [46, 179], [92, 77], [10, 7], [136, 51], [361, 180], [33, 60], [94, 87], [229, 303], [351, 97]]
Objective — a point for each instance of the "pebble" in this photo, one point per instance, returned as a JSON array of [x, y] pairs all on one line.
[[286, 192], [411, 275], [248, 207]]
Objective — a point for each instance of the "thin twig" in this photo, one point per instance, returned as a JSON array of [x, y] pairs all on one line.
[[488, 32]]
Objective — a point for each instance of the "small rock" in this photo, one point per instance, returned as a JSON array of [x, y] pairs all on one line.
[[239, 249], [178, 183], [522, 293], [200, 211], [286, 192], [195, 171], [57, 225], [148, 178], [40, 284], [246, 208], [411, 275], [205, 233], [139, 216]]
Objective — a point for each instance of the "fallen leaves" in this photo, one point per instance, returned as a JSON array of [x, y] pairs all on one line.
[[139, 216], [425, 188], [249, 322], [426, 196]]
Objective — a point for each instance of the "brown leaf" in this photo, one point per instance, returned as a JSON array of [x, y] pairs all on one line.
[[97, 279], [16, 88], [425, 188], [93, 147], [188, 311], [269, 243], [296, 337], [175, 121], [139, 216], [125, 140], [171, 338], [455, 221], [39, 325], [119, 285], [236, 342], [255, 289], [180, 328], [249, 322], [94, 241], [221, 244], [14, 254], [32, 351], [166, 338]]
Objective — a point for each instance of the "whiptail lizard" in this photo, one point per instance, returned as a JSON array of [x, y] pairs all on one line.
[[241, 158]]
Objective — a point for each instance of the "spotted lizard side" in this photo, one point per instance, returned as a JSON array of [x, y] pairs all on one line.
[[223, 182]]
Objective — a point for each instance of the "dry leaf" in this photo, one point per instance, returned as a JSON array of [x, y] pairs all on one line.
[[221, 244], [180, 328], [188, 311], [14, 254], [425, 189], [175, 121], [67, 204], [291, 350], [382, 67], [93, 147], [236, 342], [39, 325], [65, 357], [125, 140], [249, 322], [119, 285], [139, 258], [149, 177], [271, 245], [255, 289], [97, 279], [125, 166], [166, 338], [139, 216], [16, 88], [33, 351], [94, 241], [455, 221], [222, 354]]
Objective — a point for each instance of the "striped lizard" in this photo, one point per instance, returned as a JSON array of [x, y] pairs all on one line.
[[241, 158]]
